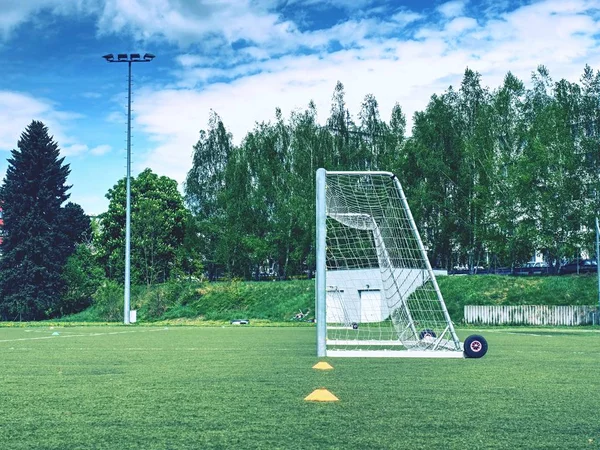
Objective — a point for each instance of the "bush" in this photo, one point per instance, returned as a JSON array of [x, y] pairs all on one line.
[[82, 276], [159, 301], [274, 301], [108, 302]]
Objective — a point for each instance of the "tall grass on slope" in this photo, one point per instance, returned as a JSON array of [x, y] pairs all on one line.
[[280, 301]]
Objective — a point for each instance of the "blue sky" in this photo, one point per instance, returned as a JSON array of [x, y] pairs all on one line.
[[244, 58]]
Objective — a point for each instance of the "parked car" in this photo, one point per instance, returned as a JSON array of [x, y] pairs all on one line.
[[465, 270], [579, 266], [480, 270], [532, 268]]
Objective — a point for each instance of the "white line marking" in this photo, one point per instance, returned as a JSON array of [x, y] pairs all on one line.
[[80, 335]]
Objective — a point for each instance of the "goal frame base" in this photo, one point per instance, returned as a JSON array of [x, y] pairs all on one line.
[[394, 354], [434, 346]]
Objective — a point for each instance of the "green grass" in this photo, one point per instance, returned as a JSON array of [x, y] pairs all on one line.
[[116, 387], [280, 301], [509, 290]]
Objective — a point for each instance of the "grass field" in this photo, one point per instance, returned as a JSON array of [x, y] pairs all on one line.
[[116, 387]]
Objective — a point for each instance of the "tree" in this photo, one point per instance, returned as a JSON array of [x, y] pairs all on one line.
[[589, 135], [506, 211], [341, 125], [370, 133], [188, 259], [491, 177], [76, 224], [395, 140], [36, 245], [82, 276], [475, 175], [158, 218], [205, 180], [204, 183], [431, 173], [264, 162]]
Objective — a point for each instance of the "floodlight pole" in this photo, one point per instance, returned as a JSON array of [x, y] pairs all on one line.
[[127, 306], [129, 59], [598, 266]]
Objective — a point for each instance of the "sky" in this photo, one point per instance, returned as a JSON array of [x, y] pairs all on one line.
[[245, 58]]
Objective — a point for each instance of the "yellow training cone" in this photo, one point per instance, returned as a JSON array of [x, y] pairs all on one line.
[[321, 395], [322, 366]]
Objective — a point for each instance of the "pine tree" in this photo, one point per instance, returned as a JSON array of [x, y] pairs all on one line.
[[35, 248]]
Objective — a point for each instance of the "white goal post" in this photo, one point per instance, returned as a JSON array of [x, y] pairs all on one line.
[[376, 293]]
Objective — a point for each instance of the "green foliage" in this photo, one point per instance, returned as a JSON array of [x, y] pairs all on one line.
[[76, 225], [459, 291], [39, 233], [280, 301], [167, 300], [108, 302], [277, 302], [83, 276], [492, 176], [188, 260], [158, 231], [254, 204], [246, 387], [204, 186]]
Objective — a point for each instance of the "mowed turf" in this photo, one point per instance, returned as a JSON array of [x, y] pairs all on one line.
[[116, 387]]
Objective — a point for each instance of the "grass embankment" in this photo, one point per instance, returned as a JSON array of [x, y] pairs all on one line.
[[262, 302], [280, 301], [459, 291], [118, 387]]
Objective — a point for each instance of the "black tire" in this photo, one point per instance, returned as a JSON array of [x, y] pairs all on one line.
[[354, 326], [427, 333], [475, 346]]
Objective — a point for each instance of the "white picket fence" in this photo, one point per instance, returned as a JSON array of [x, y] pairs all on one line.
[[531, 315]]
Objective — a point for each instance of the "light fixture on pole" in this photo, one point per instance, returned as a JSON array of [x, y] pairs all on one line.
[[131, 58]]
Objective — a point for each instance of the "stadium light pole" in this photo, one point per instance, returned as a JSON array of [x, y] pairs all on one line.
[[129, 59], [598, 267]]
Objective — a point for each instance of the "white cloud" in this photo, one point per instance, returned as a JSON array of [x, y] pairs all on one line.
[[17, 110], [406, 17], [188, 60], [16, 12], [394, 69], [78, 149], [402, 57], [459, 25], [184, 23], [100, 150], [229, 65], [174, 117], [452, 9], [346, 4], [214, 26]]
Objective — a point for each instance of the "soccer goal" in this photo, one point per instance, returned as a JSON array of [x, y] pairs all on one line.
[[377, 294]]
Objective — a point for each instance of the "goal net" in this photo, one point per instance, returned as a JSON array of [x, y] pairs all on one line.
[[376, 292]]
